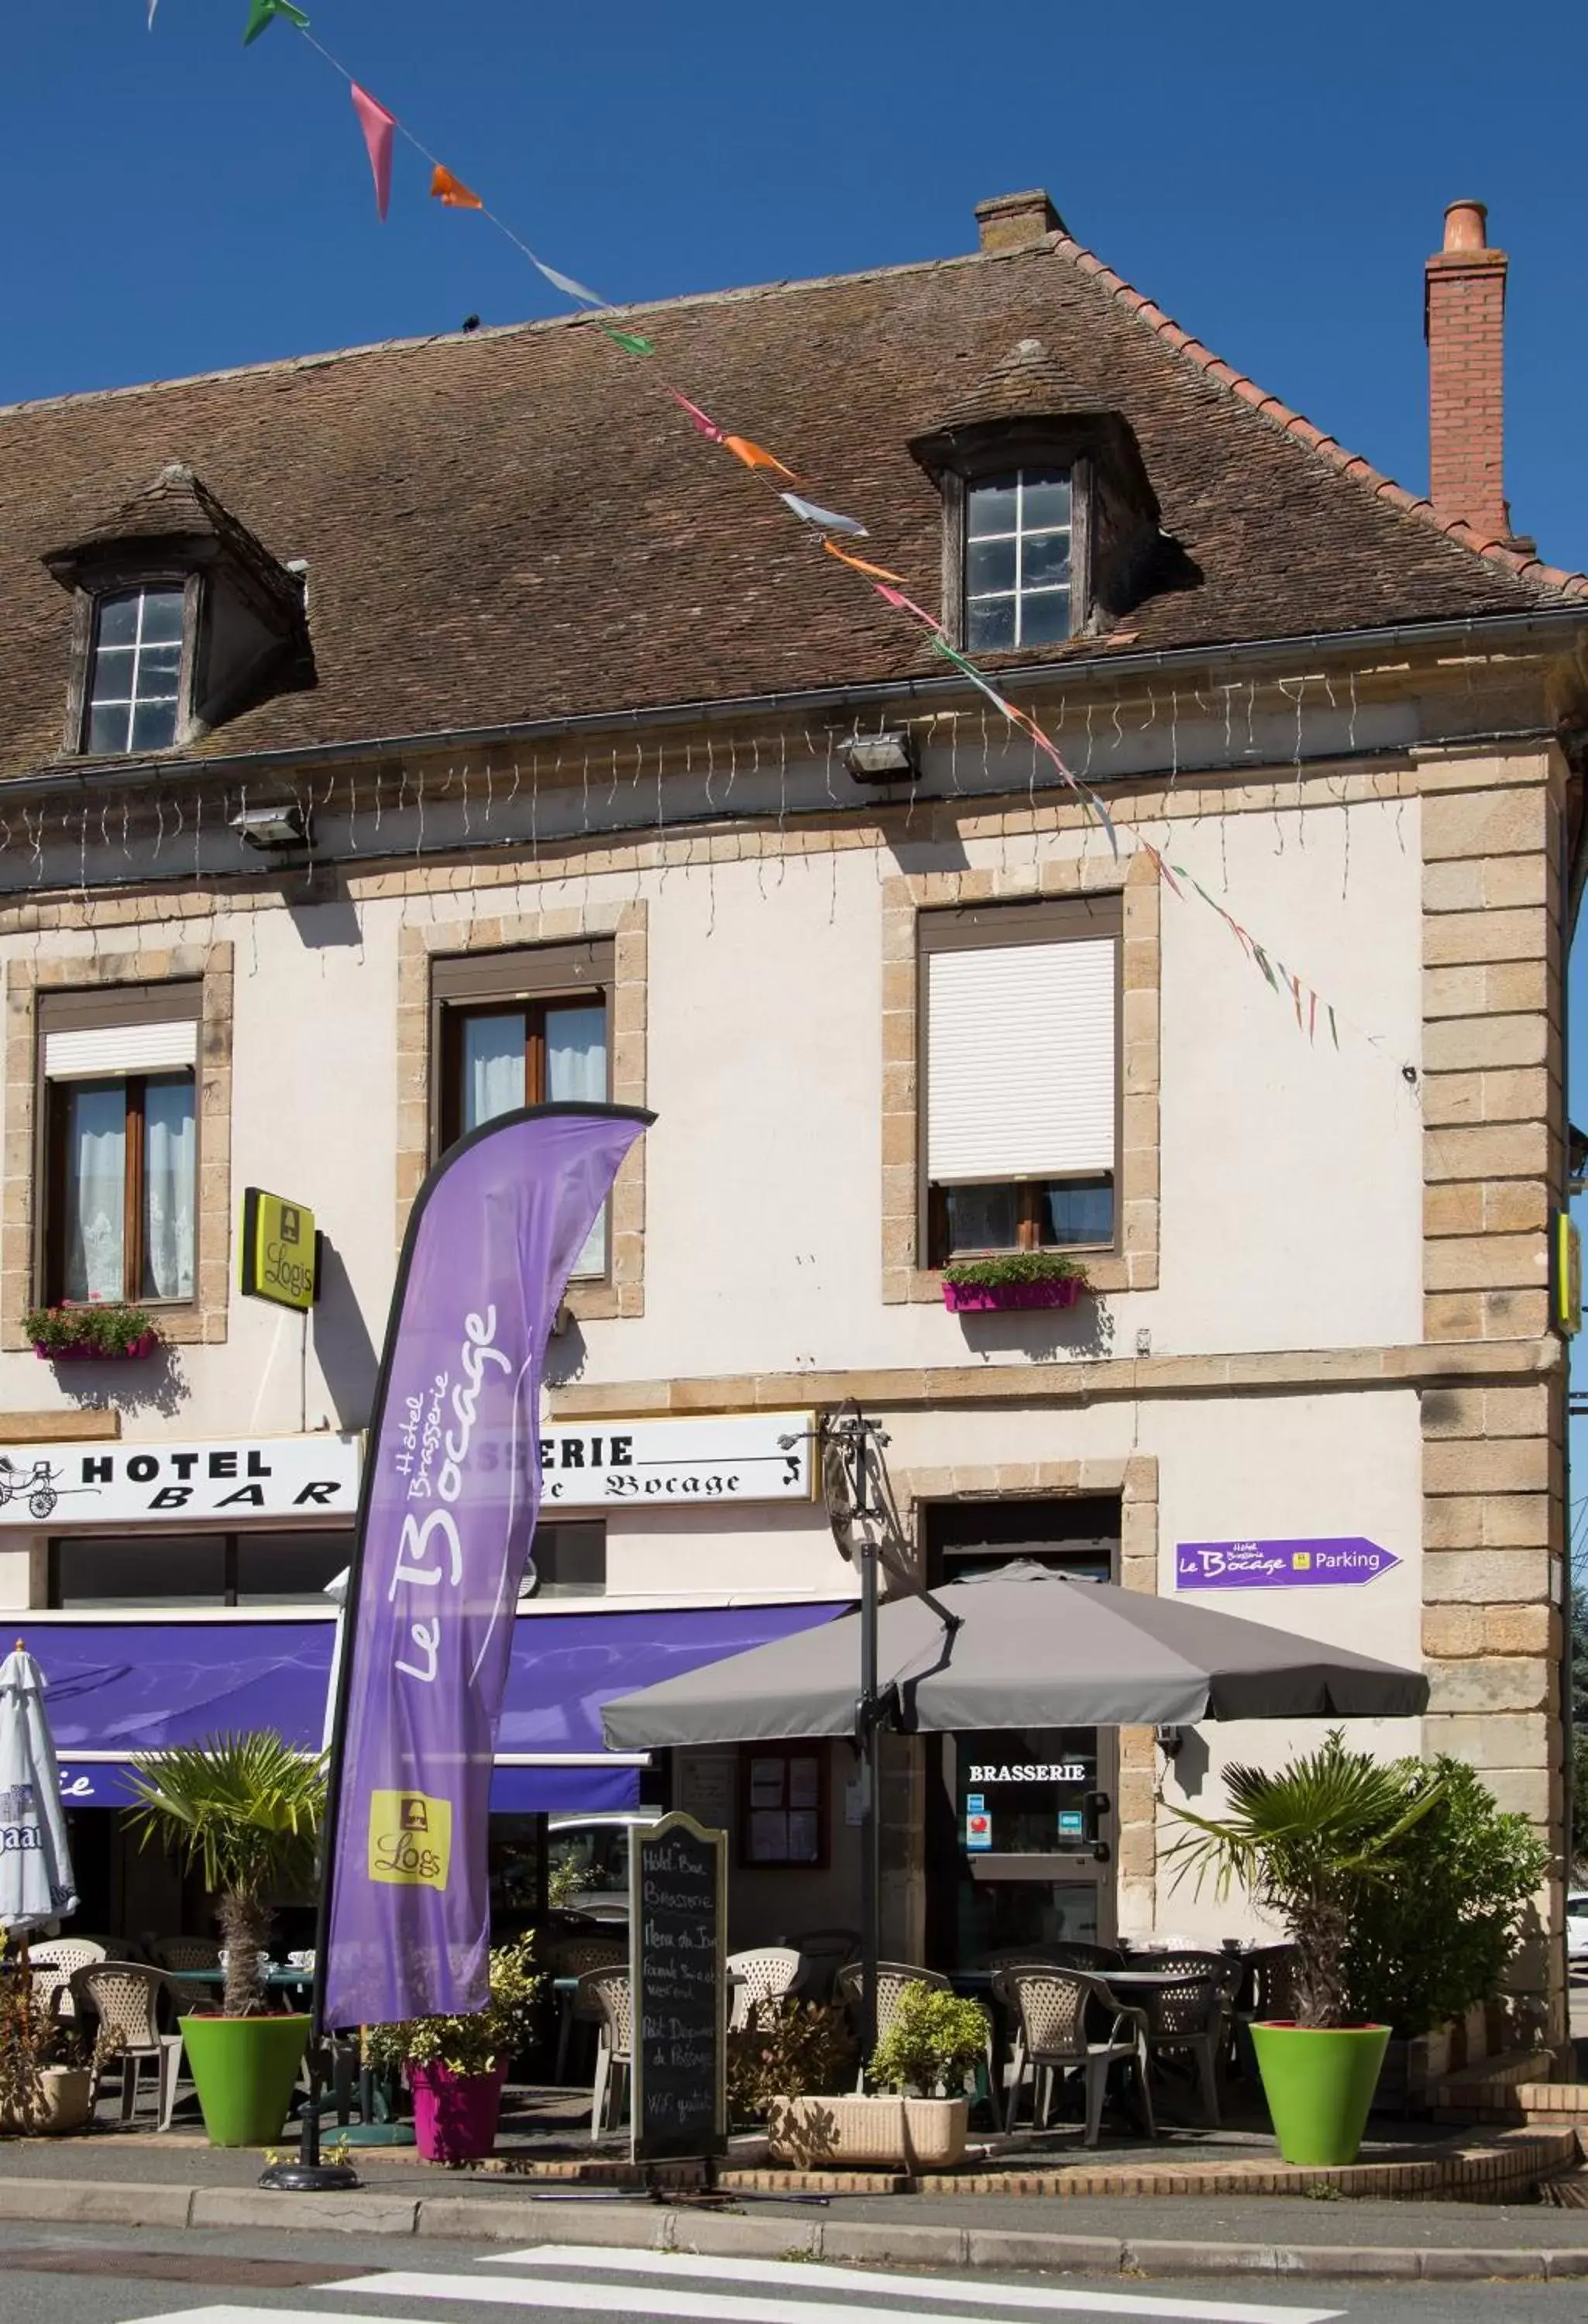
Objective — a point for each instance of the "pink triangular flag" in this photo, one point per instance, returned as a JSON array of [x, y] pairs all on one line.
[[379, 127]]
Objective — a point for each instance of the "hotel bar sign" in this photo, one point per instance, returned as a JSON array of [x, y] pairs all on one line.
[[234, 1481]]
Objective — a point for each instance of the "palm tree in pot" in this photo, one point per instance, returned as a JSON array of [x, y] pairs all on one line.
[[1308, 1843], [246, 1811]]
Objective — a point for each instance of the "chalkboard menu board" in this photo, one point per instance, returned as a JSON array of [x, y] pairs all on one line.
[[677, 1918]]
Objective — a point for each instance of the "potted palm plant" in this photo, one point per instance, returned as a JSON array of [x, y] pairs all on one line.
[[245, 1809], [1311, 1844], [456, 2066]]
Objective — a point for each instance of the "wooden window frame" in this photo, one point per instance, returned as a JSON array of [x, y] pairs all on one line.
[[974, 927], [1006, 449], [528, 982], [119, 582], [91, 1011], [787, 1752]]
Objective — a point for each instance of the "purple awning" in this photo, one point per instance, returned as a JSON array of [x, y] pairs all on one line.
[[124, 1688]]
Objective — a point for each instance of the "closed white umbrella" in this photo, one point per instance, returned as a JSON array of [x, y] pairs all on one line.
[[36, 1887]]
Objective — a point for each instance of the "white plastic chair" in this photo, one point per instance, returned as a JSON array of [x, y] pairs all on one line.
[[611, 1994], [124, 1997], [767, 1974], [66, 1954]]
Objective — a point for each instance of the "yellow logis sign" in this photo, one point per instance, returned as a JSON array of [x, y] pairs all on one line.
[[409, 1840], [1566, 1275], [280, 1249]]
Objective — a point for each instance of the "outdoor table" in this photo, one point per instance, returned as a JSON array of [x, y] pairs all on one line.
[[277, 1980]]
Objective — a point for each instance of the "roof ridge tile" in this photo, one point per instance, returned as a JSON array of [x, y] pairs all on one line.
[[1124, 294]]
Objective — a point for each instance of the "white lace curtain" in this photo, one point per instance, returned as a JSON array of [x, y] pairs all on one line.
[[95, 1190]]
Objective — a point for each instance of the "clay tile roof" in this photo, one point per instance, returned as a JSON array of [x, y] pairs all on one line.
[[516, 524], [1026, 384]]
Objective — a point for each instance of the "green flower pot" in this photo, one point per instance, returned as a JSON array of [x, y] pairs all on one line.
[[1319, 2085], [244, 2070]]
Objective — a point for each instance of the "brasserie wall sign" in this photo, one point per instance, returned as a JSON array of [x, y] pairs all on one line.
[[637, 1464], [231, 1480]]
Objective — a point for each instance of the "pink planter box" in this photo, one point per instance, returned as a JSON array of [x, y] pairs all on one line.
[[980, 1298], [143, 1345]]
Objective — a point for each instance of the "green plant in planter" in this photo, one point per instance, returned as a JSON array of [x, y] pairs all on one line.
[[480, 2040], [789, 2049], [1313, 1843], [108, 1327], [1014, 1267], [935, 2041], [1432, 1939], [1310, 1843], [32, 2039], [245, 1809]]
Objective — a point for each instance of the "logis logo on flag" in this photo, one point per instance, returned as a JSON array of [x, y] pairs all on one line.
[[409, 1840]]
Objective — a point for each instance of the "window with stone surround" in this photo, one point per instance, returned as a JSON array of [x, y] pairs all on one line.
[[1020, 1084], [146, 1037], [1131, 1260], [524, 1028], [434, 959], [117, 1101]]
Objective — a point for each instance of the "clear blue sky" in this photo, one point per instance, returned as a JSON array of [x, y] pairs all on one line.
[[1273, 177]]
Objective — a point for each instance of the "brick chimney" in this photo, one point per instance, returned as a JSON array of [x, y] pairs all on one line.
[[1463, 322], [1017, 221]]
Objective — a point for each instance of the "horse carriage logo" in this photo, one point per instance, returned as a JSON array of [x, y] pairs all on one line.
[[39, 1487]]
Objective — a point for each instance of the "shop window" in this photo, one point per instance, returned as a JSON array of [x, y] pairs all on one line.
[[119, 1115], [514, 1029], [568, 1561], [197, 1569], [1020, 1107], [783, 1804]]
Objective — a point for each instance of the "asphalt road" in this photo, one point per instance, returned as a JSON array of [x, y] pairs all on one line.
[[110, 2276]]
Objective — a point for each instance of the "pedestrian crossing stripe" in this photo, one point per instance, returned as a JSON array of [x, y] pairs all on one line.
[[530, 2291], [816, 2275]]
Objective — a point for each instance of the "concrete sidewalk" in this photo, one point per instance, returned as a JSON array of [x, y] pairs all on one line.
[[138, 2185]]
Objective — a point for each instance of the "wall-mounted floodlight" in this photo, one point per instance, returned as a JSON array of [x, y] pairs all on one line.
[[888, 757], [269, 828]]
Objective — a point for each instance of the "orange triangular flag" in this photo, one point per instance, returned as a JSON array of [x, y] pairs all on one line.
[[754, 456], [877, 572], [445, 187]]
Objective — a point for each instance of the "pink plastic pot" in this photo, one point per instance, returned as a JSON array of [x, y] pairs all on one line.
[[455, 2116], [981, 1298], [85, 1353]]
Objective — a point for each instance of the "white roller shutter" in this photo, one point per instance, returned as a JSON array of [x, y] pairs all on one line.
[[1021, 1061], [106, 1050]]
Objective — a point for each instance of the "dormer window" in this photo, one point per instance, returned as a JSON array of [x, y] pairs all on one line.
[[1017, 558], [136, 671], [1051, 524], [183, 620]]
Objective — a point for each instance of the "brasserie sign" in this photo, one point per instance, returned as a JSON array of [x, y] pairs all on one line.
[[613, 1464]]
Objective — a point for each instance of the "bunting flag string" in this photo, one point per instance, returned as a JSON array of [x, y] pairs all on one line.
[[451, 191], [380, 127], [755, 455], [261, 16]]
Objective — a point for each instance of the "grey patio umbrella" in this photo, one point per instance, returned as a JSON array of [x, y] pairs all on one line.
[[1027, 1648]]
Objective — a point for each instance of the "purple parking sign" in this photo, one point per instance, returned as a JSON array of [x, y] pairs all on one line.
[[1331, 1562]]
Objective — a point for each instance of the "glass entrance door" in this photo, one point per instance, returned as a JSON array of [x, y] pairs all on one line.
[[1033, 1862]]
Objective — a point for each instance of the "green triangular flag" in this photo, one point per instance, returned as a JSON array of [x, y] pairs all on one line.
[[629, 340], [262, 11]]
